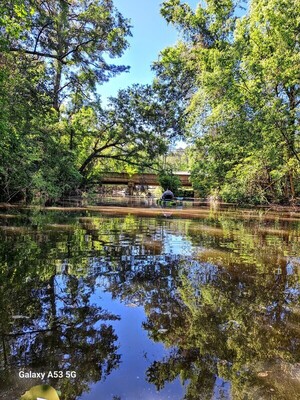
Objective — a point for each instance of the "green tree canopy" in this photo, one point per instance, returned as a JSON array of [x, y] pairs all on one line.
[[243, 103]]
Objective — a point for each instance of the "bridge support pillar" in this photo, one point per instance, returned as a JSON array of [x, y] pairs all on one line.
[[130, 188]]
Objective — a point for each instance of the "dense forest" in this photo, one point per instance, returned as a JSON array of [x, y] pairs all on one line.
[[229, 88]]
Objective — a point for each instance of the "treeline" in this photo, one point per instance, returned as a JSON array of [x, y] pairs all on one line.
[[55, 133], [230, 86], [238, 69]]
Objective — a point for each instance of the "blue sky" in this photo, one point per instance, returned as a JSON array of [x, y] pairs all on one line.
[[151, 34]]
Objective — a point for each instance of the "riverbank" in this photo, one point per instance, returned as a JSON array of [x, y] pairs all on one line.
[[279, 212]]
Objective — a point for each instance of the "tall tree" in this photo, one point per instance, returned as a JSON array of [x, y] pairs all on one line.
[[54, 53], [243, 113], [74, 38]]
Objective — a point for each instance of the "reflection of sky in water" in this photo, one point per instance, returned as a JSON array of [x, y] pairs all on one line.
[[137, 353], [137, 350], [221, 389], [177, 245], [251, 272]]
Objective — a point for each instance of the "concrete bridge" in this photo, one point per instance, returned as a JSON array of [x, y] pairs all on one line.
[[115, 178]]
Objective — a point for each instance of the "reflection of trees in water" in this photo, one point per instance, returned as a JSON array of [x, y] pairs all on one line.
[[237, 320], [229, 323], [234, 327], [223, 310], [48, 322]]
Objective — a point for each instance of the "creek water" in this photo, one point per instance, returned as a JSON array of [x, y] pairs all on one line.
[[152, 307]]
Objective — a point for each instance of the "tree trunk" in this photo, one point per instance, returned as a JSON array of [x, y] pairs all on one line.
[[57, 82]]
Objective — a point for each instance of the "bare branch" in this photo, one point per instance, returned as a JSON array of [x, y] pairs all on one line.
[[39, 34], [36, 53]]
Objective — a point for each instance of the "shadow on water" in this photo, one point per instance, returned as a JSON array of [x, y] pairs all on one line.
[[221, 294]]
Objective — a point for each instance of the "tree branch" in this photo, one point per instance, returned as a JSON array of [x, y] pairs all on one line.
[[37, 53], [95, 154], [75, 49], [39, 34]]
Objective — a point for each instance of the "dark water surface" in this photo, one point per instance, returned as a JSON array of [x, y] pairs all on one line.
[[150, 308]]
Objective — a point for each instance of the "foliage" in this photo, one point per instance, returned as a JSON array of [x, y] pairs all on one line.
[[230, 85], [178, 159], [168, 180], [73, 38], [56, 134], [32, 159], [243, 107], [131, 130], [53, 56]]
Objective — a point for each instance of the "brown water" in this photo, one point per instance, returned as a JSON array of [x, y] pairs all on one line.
[[150, 306]]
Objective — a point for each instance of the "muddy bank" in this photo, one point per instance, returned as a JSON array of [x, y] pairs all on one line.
[[271, 214]]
